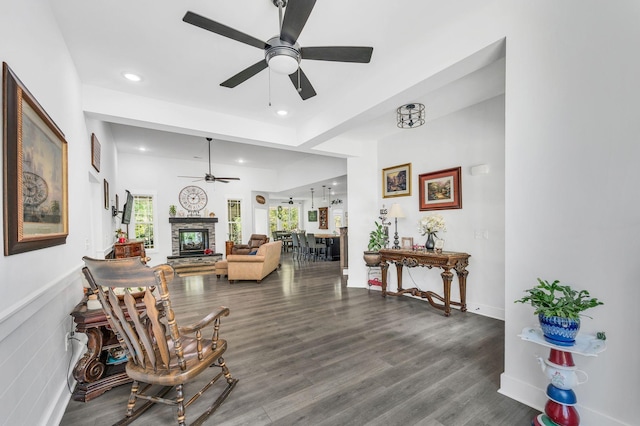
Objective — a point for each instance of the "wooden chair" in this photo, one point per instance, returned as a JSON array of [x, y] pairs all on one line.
[[159, 352]]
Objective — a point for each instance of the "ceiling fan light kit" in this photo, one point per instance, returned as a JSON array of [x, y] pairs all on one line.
[[282, 53], [282, 58]]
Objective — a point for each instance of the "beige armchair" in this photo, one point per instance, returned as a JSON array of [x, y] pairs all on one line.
[[255, 241]]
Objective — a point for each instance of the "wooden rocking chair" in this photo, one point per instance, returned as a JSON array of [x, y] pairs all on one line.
[[158, 350]]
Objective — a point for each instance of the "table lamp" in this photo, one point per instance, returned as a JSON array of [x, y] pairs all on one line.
[[395, 212]]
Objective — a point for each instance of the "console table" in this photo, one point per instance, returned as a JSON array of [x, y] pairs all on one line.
[[445, 260]]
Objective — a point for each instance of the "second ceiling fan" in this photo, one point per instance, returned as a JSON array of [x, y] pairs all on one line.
[[208, 177], [282, 53]]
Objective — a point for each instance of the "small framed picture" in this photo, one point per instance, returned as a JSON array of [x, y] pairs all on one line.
[[313, 215], [439, 245], [407, 243], [106, 194], [95, 152], [396, 181]]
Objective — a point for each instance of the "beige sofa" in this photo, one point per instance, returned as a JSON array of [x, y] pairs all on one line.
[[254, 266]]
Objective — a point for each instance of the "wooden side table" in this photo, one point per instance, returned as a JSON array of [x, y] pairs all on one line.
[[94, 374], [228, 245]]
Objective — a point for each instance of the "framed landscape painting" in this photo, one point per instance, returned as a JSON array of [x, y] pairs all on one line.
[[35, 170], [441, 190], [396, 181]]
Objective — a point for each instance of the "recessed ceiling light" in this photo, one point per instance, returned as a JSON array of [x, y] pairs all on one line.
[[132, 77], [282, 112], [142, 148], [240, 160]]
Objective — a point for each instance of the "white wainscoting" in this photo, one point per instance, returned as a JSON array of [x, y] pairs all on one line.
[[34, 367]]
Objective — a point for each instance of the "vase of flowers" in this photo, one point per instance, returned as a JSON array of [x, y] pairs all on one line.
[[430, 226]]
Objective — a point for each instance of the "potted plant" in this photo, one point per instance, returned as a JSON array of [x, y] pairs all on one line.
[[377, 240], [172, 210], [559, 308]]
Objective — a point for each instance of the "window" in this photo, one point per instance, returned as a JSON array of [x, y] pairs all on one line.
[[284, 218], [144, 219], [235, 221]]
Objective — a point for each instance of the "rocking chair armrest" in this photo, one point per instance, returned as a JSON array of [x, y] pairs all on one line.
[[221, 312]]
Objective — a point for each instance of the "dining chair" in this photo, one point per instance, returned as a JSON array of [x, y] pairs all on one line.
[[316, 248], [295, 242], [304, 247]]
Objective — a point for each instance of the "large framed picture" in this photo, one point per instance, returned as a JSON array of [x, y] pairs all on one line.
[[396, 181], [441, 190], [313, 215], [35, 170]]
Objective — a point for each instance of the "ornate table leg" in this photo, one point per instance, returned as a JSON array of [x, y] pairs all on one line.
[[89, 368], [384, 266], [399, 274], [447, 277], [462, 273]]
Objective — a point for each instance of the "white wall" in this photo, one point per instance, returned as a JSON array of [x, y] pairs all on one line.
[[40, 288], [571, 174]]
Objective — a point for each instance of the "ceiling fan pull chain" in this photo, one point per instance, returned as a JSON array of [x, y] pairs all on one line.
[[269, 87]]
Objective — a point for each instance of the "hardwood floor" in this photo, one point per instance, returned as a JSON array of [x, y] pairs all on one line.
[[310, 351]]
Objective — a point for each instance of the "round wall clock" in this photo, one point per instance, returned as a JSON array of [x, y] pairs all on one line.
[[193, 199]]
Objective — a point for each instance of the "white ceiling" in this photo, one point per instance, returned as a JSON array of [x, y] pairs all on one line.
[[184, 65]]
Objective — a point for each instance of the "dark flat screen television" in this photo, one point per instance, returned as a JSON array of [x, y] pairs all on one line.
[[127, 209]]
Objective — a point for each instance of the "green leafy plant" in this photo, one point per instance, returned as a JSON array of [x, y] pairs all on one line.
[[559, 300], [377, 238]]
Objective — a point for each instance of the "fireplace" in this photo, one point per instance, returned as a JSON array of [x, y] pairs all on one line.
[[193, 241]]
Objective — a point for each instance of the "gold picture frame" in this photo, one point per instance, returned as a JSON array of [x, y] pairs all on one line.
[[396, 181], [35, 170]]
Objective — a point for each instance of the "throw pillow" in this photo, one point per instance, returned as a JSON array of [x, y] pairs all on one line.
[[253, 252]]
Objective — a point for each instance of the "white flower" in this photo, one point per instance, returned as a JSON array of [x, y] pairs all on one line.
[[431, 224]]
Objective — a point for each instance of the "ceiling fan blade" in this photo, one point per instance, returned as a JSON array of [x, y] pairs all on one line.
[[304, 88], [227, 178], [191, 177], [245, 74], [295, 17], [223, 30], [338, 53]]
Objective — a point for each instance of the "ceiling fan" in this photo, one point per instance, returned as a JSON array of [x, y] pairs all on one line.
[[282, 53], [289, 202], [208, 177]]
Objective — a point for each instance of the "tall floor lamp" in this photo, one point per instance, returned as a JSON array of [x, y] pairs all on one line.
[[395, 212]]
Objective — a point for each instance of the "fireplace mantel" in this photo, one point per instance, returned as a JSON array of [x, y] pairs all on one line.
[[193, 220]]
